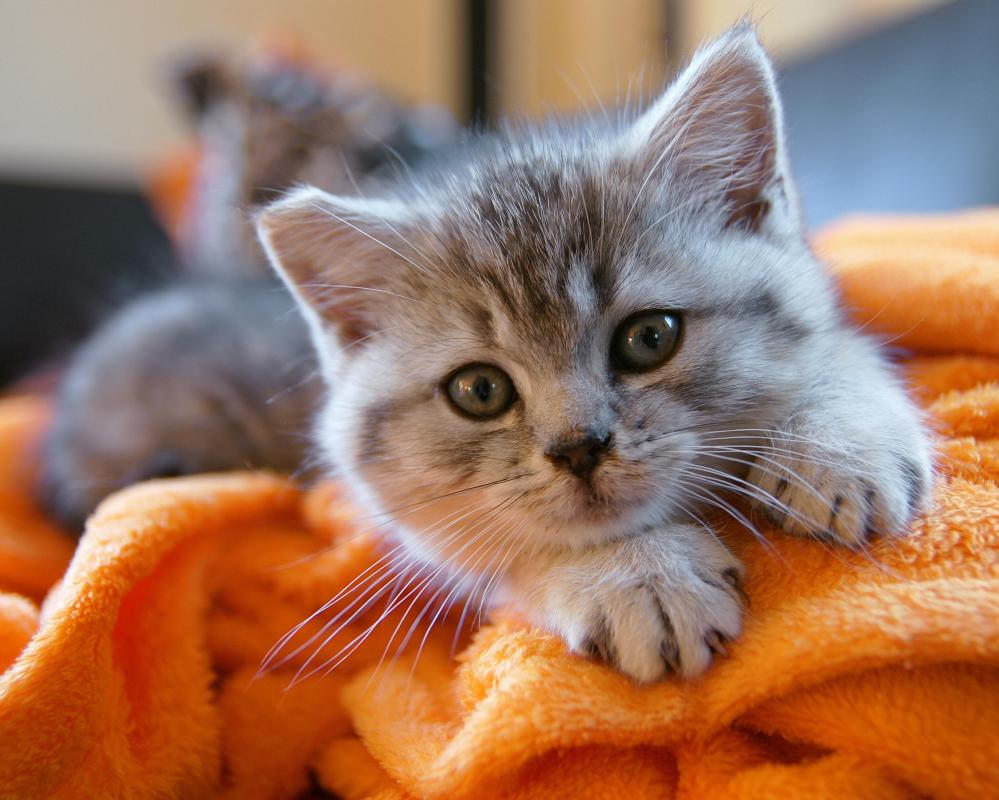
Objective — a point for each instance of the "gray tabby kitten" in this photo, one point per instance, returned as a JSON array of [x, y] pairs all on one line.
[[546, 358]]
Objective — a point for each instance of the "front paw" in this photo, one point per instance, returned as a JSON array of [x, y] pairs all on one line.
[[654, 606], [841, 494]]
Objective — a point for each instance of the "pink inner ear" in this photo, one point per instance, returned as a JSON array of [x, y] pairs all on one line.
[[755, 165], [328, 261], [748, 214], [345, 311], [720, 136]]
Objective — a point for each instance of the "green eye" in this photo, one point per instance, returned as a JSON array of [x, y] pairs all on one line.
[[645, 340], [481, 390]]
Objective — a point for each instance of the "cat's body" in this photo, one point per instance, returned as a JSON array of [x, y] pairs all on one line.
[[199, 377], [549, 355]]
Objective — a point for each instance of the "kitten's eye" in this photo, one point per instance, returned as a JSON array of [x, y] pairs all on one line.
[[481, 390], [645, 340]]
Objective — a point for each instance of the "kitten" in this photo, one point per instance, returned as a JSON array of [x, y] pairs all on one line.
[[548, 357], [193, 378]]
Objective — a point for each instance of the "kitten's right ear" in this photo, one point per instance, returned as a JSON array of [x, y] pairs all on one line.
[[338, 255], [718, 133]]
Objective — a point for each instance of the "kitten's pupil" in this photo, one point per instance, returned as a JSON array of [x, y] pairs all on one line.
[[482, 388], [650, 338]]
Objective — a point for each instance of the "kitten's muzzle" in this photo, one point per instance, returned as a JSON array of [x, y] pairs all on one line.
[[581, 454]]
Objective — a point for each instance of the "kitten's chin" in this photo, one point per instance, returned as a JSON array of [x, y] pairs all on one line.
[[607, 503], [596, 520]]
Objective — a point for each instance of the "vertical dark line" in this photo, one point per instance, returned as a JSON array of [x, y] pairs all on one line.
[[480, 60]]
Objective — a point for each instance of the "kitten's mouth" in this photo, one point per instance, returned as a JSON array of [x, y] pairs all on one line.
[[605, 497], [594, 503]]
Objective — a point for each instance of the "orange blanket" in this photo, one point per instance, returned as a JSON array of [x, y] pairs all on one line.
[[855, 677]]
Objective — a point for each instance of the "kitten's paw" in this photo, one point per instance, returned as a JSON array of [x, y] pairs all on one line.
[[649, 630], [810, 490], [650, 610]]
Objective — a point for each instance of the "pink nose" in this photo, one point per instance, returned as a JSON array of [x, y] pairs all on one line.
[[580, 455]]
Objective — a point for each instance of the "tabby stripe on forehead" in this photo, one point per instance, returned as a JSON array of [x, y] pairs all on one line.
[[482, 318], [591, 222], [493, 282], [601, 278]]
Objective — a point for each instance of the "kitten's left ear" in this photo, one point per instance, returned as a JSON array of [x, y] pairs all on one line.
[[340, 257], [717, 133]]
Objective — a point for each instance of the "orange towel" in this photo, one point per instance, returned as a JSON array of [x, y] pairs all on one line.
[[855, 677]]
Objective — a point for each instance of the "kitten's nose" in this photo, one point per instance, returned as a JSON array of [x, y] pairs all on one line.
[[581, 454]]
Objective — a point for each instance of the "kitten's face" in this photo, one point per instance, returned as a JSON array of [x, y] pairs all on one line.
[[551, 330]]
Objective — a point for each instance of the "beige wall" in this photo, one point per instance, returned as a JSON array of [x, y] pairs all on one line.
[[81, 81], [791, 27], [563, 54]]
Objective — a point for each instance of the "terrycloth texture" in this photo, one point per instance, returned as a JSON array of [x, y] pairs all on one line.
[[856, 677]]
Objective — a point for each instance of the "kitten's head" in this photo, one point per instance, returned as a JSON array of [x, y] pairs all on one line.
[[538, 339], [272, 123]]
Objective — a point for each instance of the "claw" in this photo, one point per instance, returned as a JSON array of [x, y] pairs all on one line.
[[715, 640], [669, 651], [732, 577], [598, 646]]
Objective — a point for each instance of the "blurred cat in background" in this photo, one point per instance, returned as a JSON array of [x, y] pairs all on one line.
[[275, 123], [216, 372]]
